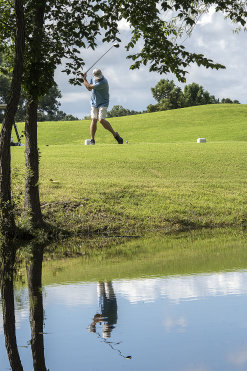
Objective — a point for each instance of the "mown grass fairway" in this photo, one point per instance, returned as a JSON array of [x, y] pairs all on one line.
[[162, 180]]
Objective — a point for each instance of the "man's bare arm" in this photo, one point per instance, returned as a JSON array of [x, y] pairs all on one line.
[[86, 83]]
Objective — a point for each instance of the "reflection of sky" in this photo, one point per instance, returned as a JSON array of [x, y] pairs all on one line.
[[183, 287], [174, 288], [238, 357], [177, 323], [22, 308], [72, 295]]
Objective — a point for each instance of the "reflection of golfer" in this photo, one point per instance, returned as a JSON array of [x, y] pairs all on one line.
[[108, 309], [99, 104]]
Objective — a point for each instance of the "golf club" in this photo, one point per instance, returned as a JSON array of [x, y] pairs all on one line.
[[116, 45]]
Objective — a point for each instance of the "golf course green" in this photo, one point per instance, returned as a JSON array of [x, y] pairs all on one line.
[[162, 180]]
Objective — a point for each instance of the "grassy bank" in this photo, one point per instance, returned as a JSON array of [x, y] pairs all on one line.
[[161, 181]]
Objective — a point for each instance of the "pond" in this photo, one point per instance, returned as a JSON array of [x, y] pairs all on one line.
[[175, 314]]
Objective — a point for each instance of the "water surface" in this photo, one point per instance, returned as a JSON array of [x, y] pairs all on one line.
[[176, 321]]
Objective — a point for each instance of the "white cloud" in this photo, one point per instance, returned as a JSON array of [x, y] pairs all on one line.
[[123, 25], [207, 18], [73, 97]]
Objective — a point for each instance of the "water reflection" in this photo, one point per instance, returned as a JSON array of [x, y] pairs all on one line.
[[95, 325], [7, 294], [107, 316], [34, 278], [183, 288]]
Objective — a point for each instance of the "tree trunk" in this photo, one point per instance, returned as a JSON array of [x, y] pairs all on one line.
[[7, 293], [7, 224], [34, 277], [32, 199]]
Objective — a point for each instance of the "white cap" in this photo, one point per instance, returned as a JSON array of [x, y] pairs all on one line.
[[97, 74]]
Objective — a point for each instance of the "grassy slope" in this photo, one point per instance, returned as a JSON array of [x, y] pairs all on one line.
[[162, 179], [215, 122]]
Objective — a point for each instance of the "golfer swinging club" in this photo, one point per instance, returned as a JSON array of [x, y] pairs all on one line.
[[99, 104]]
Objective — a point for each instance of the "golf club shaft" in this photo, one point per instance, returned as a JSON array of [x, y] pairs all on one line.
[[99, 58]]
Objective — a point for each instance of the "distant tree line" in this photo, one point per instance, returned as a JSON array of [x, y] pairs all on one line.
[[118, 111], [48, 109], [169, 96]]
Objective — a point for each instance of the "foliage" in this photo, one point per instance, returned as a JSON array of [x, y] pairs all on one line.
[[49, 102], [4, 88], [195, 95], [5, 79], [118, 111], [153, 23], [163, 89], [228, 100], [169, 96], [156, 25], [58, 116], [48, 109]]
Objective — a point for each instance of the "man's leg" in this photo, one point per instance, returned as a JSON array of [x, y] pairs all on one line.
[[107, 126], [93, 128], [104, 122]]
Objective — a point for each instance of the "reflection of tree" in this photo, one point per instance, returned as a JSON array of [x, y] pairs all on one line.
[[34, 277], [7, 292]]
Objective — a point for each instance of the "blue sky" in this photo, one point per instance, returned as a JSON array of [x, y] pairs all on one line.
[[213, 36]]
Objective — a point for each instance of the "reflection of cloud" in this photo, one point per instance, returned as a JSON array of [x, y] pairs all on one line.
[[175, 323], [139, 290], [174, 288], [183, 287], [72, 295], [238, 357]]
